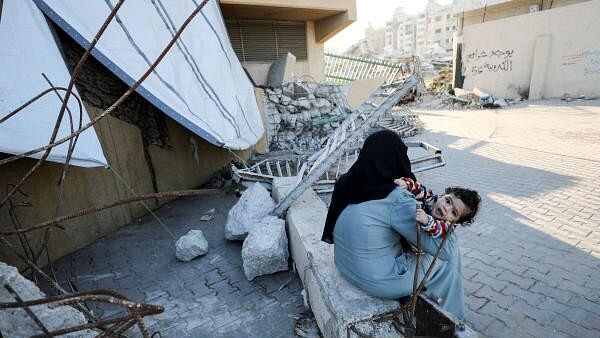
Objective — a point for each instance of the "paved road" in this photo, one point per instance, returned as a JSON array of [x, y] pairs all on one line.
[[531, 261], [207, 297]]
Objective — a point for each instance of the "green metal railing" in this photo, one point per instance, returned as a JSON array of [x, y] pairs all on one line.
[[346, 68]]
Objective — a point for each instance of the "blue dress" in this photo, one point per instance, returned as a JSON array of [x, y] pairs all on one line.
[[368, 252]]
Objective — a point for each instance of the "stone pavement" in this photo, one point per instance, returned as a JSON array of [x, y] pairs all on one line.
[[531, 261], [207, 297]]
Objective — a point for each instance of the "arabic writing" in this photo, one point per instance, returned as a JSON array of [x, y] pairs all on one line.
[[488, 54], [504, 66], [480, 61]]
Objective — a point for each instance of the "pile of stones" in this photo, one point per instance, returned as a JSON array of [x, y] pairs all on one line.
[[300, 115]]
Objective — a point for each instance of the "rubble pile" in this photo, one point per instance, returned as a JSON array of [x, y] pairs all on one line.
[[300, 115], [442, 82]]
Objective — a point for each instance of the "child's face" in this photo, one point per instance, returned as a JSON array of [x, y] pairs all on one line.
[[449, 208]]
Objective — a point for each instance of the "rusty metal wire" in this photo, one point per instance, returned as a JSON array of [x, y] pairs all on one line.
[[136, 311], [35, 98], [87, 211], [63, 107], [25, 307], [120, 100], [112, 326]]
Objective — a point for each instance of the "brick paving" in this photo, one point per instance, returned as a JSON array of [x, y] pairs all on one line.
[[531, 261], [207, 297]]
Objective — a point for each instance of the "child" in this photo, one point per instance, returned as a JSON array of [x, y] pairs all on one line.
[[437, 212]]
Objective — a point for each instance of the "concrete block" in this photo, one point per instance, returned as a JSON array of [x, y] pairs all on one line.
[[334, 301], [281, 70], [361, 89], [265, 250], [253, 206], [191, 245], [16, 322], [281, 186]]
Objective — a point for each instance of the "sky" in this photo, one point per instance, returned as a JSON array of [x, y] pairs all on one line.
[[377, 12]]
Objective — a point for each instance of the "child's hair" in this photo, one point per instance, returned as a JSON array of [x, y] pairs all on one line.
[[470, 198]]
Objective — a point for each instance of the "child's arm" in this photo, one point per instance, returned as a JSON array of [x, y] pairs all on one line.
[[421, 193], [435, 228]]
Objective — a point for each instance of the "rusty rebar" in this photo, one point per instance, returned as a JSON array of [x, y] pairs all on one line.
[[35, 98], [27, 310], [120, 100], [87, 313], [66, 100], [137, 310], [87, 211]]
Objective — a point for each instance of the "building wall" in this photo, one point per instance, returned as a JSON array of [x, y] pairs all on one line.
[[314, 66], [548, 53], [188, 163], [510, 8]]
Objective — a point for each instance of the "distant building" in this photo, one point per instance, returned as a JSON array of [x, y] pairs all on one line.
[[428, 34]]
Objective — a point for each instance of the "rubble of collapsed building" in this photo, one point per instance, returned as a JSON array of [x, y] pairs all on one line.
[[301, 115]]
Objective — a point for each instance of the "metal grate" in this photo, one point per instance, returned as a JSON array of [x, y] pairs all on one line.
[[347, 68], [261, 40]]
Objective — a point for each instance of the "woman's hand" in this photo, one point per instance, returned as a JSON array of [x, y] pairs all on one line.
[[401, 183], [421, 216]]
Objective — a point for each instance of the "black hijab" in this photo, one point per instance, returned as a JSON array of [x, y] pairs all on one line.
[[382, 159]]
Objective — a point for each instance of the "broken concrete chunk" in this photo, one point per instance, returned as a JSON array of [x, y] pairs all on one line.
[[265, 250], [501, 102], [191, 245], [481, 94], [255, 203], [281, 70], [16, 322]]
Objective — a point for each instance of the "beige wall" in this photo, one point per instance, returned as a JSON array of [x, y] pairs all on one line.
[[190, 163], [510, 8], [556, 51]]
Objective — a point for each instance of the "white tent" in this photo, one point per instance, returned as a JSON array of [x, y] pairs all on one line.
[[28, 49], [200, 83]]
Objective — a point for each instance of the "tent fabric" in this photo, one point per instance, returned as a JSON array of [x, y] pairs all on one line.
[[28, 49], [200, 83]]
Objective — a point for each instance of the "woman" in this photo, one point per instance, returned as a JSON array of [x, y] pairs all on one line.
[[372, 216], [382, 159]]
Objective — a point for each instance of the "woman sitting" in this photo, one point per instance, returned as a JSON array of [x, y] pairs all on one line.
[[372, 215]]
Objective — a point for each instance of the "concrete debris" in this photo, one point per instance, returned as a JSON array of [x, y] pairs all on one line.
[[265, 250], [568, 97], [459, 98], [481, 94], [442, 82], [501, 103], [281, 71], [208, 216], [16, 322], [306, 326], [300, 115], [191, 245], [255, 203]]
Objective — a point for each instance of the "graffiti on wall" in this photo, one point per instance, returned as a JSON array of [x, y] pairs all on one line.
[[480, 61], [588, 61]]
